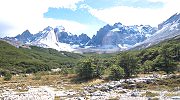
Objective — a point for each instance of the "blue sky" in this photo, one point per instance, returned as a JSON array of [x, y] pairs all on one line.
[[81, 16]]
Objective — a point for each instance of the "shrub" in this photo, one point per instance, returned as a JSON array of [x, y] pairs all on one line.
[[85, 70], [7, 76], [89, 69], [116, 73]]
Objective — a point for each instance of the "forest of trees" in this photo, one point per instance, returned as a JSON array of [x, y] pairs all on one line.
[[162, 57]]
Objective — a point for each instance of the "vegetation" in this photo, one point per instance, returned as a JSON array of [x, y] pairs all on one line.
[[7, 76], [161, 57], [129, 63], [150, 94], [23, 60], [88, 69], [116, 72]]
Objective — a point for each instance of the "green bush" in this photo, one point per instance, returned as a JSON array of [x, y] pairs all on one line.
[[7, 76], [116, 73], [85, 70], [64, 71], [129, 62], [88, 69]]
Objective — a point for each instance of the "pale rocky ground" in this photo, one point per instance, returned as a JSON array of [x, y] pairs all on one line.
[[103, 91]]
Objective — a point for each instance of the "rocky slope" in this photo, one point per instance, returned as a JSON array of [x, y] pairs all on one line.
[[166, 30]]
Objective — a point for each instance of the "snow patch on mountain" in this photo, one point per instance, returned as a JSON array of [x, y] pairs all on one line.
[[124, 46], [115, 30]]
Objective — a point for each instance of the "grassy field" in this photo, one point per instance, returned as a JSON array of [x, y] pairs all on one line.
[[65, 82], [60, 82]]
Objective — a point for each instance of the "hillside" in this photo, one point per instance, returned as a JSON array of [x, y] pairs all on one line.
[[33, 59], [163, 56], [145, 70]]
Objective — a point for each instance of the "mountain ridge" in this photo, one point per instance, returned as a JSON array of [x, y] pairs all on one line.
[[110, 38], [167, 29]]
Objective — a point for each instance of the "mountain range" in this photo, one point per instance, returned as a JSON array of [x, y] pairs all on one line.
[[110, 38], [166, 30]]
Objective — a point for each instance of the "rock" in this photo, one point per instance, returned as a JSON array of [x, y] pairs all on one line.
[[175, 98], [81, 98], [41, 93]]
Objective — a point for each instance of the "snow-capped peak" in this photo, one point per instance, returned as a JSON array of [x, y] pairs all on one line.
[[49, 28], [59, 29], [49, 39]]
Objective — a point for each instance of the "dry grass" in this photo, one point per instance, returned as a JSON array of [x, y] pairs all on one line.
[[172, 94], [60, 82], [57, 98], [64, 82], [150, 94]]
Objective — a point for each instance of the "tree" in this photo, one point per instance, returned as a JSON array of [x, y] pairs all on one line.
[[85, 69], [129, 63], [88, 69], [98, 67], [164, 61], [176, 52], [147, 66], [116, 72]]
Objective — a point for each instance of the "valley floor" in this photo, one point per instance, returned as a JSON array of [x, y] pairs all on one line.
[[61, 87]]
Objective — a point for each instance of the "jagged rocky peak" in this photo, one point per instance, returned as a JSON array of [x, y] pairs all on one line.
[[108, 37], [26, 33], [59, 29], [118, 25], [49, 28], [83, 38], [119, 34], [166, 30], [25, 37], [171, 20]]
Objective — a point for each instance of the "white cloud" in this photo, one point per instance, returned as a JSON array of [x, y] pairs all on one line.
[[19, 15], [28, 14], [72, 26], [131, 16]]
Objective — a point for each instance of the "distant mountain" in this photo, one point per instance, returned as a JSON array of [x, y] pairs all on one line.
[[121, 36], [49, 39], [67, 37], [26, 36], [110, 38], [166, 30], [56, 38]]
